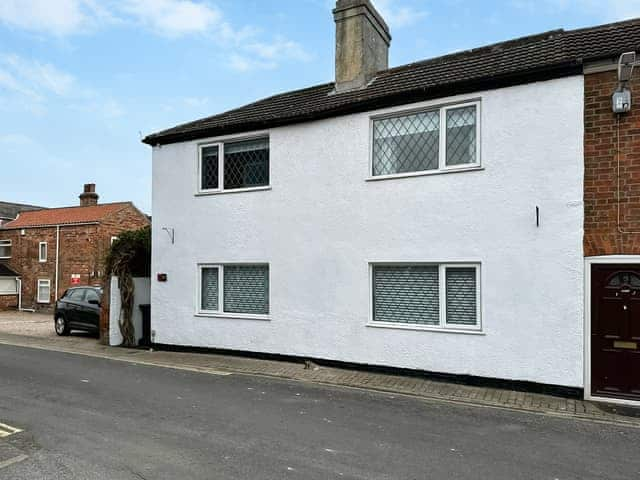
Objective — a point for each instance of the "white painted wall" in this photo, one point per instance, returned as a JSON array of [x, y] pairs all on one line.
[[142, 296], [321, 224]]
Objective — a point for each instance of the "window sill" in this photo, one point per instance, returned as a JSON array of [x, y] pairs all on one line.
[[235, 190], [376, 178], [237, 316], [401, 326]]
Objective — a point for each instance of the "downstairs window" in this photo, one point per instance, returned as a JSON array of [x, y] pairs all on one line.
[[427, 295]]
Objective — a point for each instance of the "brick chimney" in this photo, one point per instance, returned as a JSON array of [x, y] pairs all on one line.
[[362, 44], [89, 196]]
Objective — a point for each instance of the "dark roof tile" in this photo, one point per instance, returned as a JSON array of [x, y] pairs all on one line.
[[547, 55]]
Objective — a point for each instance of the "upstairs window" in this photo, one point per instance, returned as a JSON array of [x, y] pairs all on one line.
[[434, 140], [234, 165], [5, 249], [42, 252]]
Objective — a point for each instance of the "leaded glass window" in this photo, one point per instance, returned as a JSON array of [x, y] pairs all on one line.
[[461, 135], [432, 140], [246, 164], [234, 165], [209, 167], [406, 144]]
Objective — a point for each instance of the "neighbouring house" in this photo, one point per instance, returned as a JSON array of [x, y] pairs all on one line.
[[44, 252], [474, 214], [10, 211]]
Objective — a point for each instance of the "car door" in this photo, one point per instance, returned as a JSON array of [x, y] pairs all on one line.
[[91, 309], [74, 299]]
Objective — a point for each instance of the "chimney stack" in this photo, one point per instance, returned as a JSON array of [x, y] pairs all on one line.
[[362, 44], [89, 197]]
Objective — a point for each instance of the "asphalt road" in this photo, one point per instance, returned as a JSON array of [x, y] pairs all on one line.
[[89, 418]]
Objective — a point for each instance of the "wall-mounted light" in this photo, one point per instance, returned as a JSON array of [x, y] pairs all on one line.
[[621, 98]]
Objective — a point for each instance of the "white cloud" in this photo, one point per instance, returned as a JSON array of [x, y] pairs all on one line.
[[280, 48], [174, 18], [617, 9], [244, 47], [33, 85], [399, 15], [608, 10], [242, 63], [41, 76], [56, 17]]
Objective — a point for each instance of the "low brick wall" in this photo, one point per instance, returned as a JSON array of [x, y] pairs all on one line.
[[8, 302]]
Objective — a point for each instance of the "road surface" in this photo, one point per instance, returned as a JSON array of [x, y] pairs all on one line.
[[90, 418]]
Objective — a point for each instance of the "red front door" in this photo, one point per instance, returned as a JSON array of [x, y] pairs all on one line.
[[615, 331]]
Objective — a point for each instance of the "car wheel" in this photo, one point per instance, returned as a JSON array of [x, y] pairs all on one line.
[[61, 326]]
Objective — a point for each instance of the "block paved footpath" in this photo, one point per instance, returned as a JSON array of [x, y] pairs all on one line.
[[36, 331]]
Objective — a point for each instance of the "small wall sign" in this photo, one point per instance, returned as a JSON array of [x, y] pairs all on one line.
[[162, 277], [75, 279]]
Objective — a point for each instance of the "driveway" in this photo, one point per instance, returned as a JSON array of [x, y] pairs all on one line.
[[36, 325]]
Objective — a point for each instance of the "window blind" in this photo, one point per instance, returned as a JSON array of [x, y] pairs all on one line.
[[406, 294], [461, 296], [209, 291], [246, 289]]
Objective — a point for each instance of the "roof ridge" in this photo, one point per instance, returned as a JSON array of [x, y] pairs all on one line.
[[549, 34], [15, 204], [78, 206]]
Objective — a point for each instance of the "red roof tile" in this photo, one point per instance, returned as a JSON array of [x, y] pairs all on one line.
[[64, 216]]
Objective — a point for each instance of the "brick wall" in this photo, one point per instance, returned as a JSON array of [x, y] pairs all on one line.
[[8, 302], [82, 251], [604, 233]]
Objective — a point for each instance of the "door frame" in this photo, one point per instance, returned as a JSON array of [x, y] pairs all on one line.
[[588, 262]]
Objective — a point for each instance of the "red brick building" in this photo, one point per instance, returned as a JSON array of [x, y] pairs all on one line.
[[44, 252]]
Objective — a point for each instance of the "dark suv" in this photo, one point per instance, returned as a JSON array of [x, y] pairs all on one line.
[[78, 309]]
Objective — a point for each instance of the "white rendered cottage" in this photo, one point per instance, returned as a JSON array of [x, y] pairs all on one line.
[[428, 216]]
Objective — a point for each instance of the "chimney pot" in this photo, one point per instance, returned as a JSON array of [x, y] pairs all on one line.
[[89, 196], [362, 44]]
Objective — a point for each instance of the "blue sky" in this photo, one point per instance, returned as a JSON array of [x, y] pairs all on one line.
[[82, 80]]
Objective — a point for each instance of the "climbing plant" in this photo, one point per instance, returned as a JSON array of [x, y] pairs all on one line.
[[129, 256]]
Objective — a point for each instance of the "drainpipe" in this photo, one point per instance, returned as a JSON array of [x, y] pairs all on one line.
[[55, 297], [19, 294]]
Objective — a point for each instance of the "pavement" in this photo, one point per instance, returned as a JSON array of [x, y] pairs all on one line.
[[36, 331], [95, 418]]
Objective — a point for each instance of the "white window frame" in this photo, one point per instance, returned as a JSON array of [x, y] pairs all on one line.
[[6, 243], [442, 148], [220, 144], [43, 282], [41, 258], [443, 325], [220, 312]]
